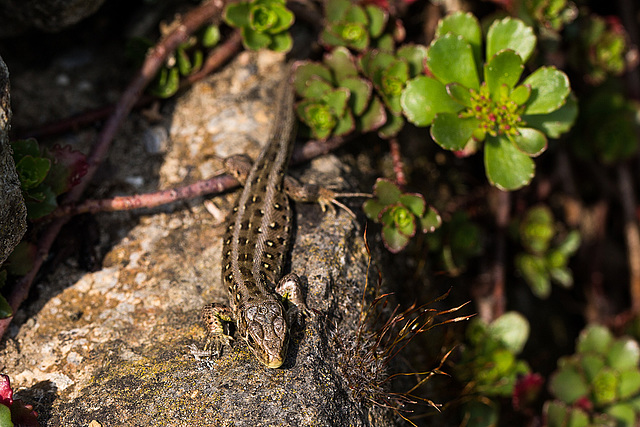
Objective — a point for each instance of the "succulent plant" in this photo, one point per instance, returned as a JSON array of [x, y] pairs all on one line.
[[401, 214], [550, 14], [541, 263], [263, 23], [355, 26], [45, 174], [512, 120], [599, 49], [489, 366], [324, 87], [599, 385]]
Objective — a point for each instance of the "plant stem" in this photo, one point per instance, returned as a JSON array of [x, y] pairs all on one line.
[[396, 157]]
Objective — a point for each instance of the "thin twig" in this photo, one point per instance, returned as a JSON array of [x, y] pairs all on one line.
[[396, 157], [156, 57]]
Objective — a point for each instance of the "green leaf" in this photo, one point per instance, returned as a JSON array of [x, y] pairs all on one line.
[[605, 386], [556, 123], [25, 147], [504, 68], [507, 167], [391, 128], [562, 275], [450, 59], [460, 94], [430, 221], [568, 385], [465, 25], [337, 100], [510, 33], [423, 98], [414, 202], [512, 329], [533, 269], [591, 364], [520, 94], [32, 171], [624, 354], [373, 117], [416, 56], [342, 63], [360, 93], [555, 413], [281, 42], [210, 36], [372, 209], [306, 71], [377, 20], [393, 240], [40, 202], [570, 244], [594, 338], [254, 40], [335, 10], [345, 124], [5, 412], [386, 192], [530, 141], [623, 413], [549, 90], [452, 132], [629, 384], [237, 14]]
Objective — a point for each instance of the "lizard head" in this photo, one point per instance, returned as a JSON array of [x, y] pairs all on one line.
[[264, 326]]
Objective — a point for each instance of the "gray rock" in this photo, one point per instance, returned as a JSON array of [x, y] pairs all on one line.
[[13, 213], [113, 346], [46, 15]]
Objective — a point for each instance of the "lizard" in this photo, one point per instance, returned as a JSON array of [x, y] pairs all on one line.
[[255, 245]]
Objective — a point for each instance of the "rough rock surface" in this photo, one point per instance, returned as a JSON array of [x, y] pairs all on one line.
[[13, 213], [112, 346], [46, 15]]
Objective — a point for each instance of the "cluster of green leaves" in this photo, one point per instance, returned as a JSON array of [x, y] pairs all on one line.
[[186, 60], [401, 214], [489, 366], [45, 174], [549, 15], [598, 385], [513, 120], [541, 263], [600, 47], [262, 23], [456, 242]]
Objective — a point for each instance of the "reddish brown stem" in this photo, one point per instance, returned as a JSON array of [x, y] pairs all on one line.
[[396, 157], [156, 57], [217, 184]]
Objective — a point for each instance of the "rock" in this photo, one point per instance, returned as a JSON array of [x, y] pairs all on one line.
[[46, 15], [13, 215], [112, 346]]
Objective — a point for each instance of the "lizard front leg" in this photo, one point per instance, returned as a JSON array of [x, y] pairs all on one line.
[[214, 316]]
